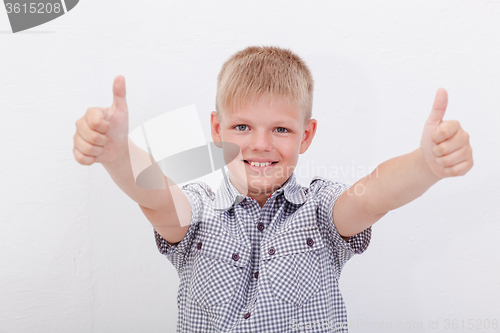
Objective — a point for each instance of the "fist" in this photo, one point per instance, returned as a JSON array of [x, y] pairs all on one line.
[[102, 133], [444, 144]]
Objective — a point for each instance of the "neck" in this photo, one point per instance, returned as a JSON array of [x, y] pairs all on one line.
[[260, 195]]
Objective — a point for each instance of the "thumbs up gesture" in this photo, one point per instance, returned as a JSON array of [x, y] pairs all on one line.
[[444, 144], [102, 133]]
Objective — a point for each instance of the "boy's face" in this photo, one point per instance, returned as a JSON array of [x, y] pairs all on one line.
[[271, 134]]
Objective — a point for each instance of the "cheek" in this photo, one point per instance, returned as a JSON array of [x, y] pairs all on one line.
[[291, 150], [237, 140]]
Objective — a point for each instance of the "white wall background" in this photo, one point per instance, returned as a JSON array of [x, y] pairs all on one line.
[[76, 253]]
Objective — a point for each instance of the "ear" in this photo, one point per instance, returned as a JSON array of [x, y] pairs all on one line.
[[308, 136], [215, 127]]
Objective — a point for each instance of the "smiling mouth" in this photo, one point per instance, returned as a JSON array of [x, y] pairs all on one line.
[[259, 164]]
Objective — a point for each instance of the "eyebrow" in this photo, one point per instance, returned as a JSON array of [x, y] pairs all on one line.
[[279, 123]]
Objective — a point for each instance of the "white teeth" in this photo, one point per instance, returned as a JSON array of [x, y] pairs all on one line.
[[257, 164]]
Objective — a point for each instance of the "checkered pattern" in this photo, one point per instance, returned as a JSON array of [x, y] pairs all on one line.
[[298, 256]]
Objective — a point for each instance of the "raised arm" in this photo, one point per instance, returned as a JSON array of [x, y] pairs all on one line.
[[444, 152], [102, 136]]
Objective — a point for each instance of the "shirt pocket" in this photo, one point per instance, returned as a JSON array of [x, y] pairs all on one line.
[[217, 269], [292, 263]]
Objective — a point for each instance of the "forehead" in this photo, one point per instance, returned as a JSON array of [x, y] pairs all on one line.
[[266, 109]]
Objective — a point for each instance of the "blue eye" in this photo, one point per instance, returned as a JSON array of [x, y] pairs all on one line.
[[241, 127], [281, 130]]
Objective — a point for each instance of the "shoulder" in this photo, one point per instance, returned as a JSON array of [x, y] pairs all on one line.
[[320, 186], [199, 188]]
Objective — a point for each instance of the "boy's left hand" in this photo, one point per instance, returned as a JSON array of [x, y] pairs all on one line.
[[444, 144]]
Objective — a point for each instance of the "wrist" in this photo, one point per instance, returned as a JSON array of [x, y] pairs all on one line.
[[424, 171], [122, 155], [119, 168]]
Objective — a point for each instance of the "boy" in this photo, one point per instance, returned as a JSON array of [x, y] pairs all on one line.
[[264, 254]]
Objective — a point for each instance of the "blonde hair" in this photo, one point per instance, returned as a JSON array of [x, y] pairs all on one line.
[[265, 71]]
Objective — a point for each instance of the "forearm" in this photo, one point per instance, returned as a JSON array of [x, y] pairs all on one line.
[[395, 183], [122, 172], [444, 152]]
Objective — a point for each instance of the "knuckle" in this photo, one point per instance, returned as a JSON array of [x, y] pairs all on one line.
[[86, 149], [436, 136], [76, 140], [94, 122], [89, 151], [94, 137], [79, 157], [86, 161], [455, 172], [441, 148], [105, 127], [445, 131], [436, 151], [82, 161]]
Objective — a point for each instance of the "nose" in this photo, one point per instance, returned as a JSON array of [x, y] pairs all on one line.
[[261, 142]]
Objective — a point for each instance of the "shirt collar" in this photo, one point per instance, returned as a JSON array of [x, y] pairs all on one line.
[[227, 194]]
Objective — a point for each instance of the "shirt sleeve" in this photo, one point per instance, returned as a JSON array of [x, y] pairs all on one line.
[[178, 252], [328, 192]]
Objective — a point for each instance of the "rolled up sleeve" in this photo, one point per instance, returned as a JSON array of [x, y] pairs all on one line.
[[327, 195], [177, 252]]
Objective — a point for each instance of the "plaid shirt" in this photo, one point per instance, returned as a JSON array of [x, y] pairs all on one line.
[[244, 268]]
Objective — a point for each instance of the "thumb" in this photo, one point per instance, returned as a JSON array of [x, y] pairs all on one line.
[[439, 107], [119, 93]]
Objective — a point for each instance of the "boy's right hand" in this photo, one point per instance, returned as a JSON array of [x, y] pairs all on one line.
[[102, 133]]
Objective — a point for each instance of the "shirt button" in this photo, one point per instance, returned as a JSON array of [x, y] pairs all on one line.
[[271, 251], [246, 315], [236, 256], [256, 274], [260, 226], [198, 246], [310, 242]]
